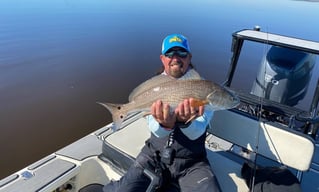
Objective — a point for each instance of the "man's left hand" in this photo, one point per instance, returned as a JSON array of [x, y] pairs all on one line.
[[184, 111]]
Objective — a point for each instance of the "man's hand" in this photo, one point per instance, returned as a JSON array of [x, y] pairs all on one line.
[[161, 113], [183, 112]]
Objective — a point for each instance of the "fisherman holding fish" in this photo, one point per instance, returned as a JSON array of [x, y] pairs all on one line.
[[174, 157]]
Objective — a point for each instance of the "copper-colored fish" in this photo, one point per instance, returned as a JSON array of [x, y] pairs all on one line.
[[172, 91]]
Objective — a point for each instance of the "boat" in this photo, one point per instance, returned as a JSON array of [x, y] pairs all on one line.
[[266, 129]]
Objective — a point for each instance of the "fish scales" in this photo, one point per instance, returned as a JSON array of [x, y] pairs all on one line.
[[173, 92], [158, 80]]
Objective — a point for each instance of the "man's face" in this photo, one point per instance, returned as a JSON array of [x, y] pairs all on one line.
[[176, 61]]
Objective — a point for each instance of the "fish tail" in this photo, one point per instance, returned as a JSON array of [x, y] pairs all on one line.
[[118, 114]]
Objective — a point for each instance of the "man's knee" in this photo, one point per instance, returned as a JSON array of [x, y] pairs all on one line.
[[133, 180], [199, 178]]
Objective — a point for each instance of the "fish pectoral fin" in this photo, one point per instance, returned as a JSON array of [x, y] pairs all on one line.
[[191, 118], [198, 102]]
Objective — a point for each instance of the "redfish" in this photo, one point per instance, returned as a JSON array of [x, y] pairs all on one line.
[[172, 91]]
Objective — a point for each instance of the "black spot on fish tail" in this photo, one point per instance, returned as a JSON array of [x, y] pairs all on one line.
[[118, 114]]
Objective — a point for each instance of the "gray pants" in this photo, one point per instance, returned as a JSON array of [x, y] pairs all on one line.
[[197, 177]]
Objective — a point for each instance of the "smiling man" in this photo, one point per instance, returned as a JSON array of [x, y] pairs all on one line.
[[175, 155], [176, 56]]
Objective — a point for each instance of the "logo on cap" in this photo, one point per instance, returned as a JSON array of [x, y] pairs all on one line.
[[175, 39]]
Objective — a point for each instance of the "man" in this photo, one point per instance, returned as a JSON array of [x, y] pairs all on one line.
[[175, 153]]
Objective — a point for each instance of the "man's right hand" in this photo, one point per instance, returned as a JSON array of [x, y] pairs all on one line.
[[162, 114]]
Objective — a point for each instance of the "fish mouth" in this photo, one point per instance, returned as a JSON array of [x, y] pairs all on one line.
[[236, 102], [235, 98]]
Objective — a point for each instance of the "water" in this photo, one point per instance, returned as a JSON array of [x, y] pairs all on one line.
[[57, 58]]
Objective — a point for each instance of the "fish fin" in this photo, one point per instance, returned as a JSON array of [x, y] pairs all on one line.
[[191, 118], [118, 114], [198, 102], [148, 84]]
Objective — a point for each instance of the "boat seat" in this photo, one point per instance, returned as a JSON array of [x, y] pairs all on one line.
[[267, 139], [273, 142], [122, 147]]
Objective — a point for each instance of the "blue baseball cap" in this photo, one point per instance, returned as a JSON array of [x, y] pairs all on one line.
[[175, 40]]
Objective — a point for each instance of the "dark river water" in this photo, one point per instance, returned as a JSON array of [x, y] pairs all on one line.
[[59, 57]]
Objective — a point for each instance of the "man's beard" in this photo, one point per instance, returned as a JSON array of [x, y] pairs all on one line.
[[176, 69]]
